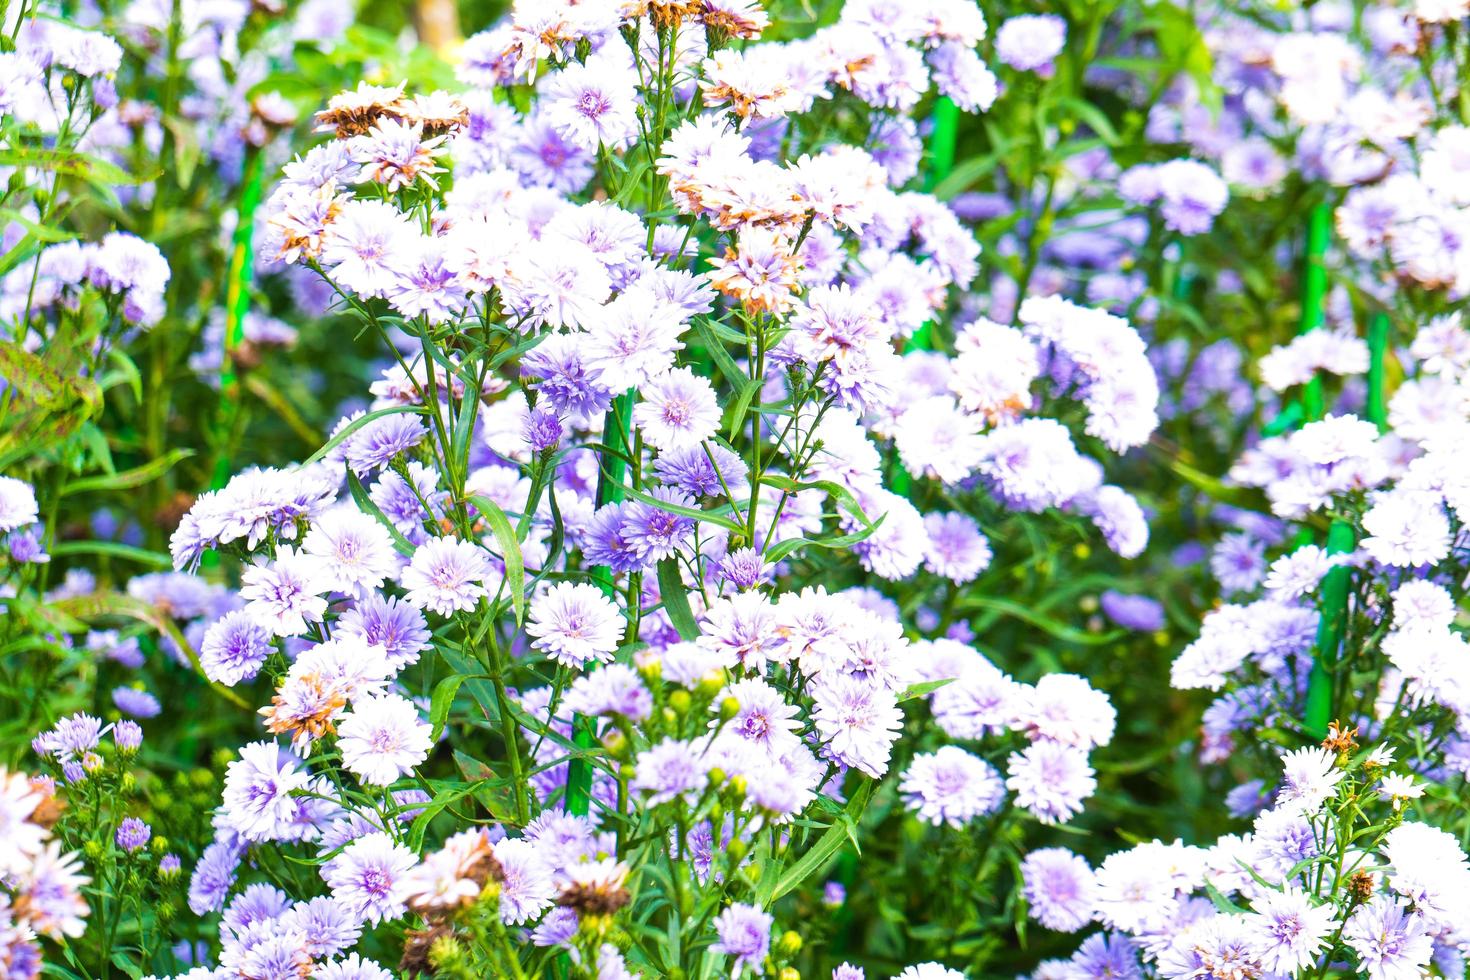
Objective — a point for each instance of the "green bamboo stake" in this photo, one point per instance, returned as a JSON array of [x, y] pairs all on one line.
[[1340, 539], [619, 421], [237, 304]]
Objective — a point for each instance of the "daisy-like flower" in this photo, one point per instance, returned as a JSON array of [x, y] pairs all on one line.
[[285, 594], [382, 739], [234, 648], [678, 410], [745, 934], [371, 877], [1309, 777], [17, 504], [360, 246], [761, 272], [857, 722], [395, 154], [353, 967], [527, 886], [1287, 931], [20, 838], [1391, 942], [951, 786], [1051, 780], [669, 770], [1031, 42], [354, 551], [257, 794], [762, 716], [633, 340], [1059, 887], [575, 623], [1398, 787], [447, 575], [593, 103]]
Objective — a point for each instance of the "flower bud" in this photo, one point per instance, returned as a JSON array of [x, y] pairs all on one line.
[[711, 684], [790, 972], [788, 945], [680, 701], [729, 708], [93, 763]]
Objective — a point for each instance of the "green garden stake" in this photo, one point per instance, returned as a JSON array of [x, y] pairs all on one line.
[[1378, 331], [619, 421], [237, 304], [1339, 536]]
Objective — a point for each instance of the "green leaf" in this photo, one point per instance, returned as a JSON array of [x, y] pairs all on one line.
[[842, 831], [128, 479], [790, 546], [360, 495], [101, 604], [442, 700], [112, 549], [706, 516], [510, 552], [676, 599], [923, 689], [351, 428], [1059, 631]]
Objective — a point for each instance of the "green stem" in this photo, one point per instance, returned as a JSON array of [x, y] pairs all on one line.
[[616, 425], [237, 305], [1378, 331]]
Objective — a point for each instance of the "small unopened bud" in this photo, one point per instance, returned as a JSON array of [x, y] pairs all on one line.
[[680, 701], [737, 849], [169, 867], [711, 684], [93, 763], [616, 744], [729, 708], [738, 786], [716, 777], [651, 670], [670, 717], [790, 972], [789, 944]]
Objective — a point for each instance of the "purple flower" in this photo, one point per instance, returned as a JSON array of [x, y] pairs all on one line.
[[139, 704], [542, 430], [376, 444], [127, 735], [744, 568], [692, 471], [395, 626], [235, 648], [132, 834], [1133, 612], [1031, 42], [369, 877], [71, 737], [654, 533], [572, 388], [668, 771], [447, 575], [958, 551], [745, 933]]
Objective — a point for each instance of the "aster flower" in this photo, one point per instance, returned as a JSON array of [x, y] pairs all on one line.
[[761, 272], [397, 627], [593, 104], [370, 877], [1051, 780], [352, 967], [744, 933], [382, 739], [17, 504], [677, 411], [1309, 778], [1391, 942], [354, 551], [360, 246], [575, 623], [447, 575], [856, 721], [1059, 888], [669, 771], [21, 839], [257, 792], [1031, 42], [1287, 931], [527, 886], [951, 786]]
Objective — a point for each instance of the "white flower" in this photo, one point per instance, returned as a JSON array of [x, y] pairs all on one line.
[[575, 623], [382, 739]]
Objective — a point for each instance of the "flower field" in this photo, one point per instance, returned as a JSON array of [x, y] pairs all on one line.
[[704, 489]]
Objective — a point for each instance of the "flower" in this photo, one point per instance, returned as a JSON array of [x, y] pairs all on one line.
[[382, 739], [370, 877], [593, 103], [575, 623], [1031, 42], [447, 575], [1287, 931], [285, 594], [17, 504], [1050, 780], [1391, 943], [1309, 778], [354, 551], [234, 648], [132, 834], [745, 934], [527, 885], [856, 721], [257, 794], [1059, 887], [951, 786], [668, 770], [678, 410]]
